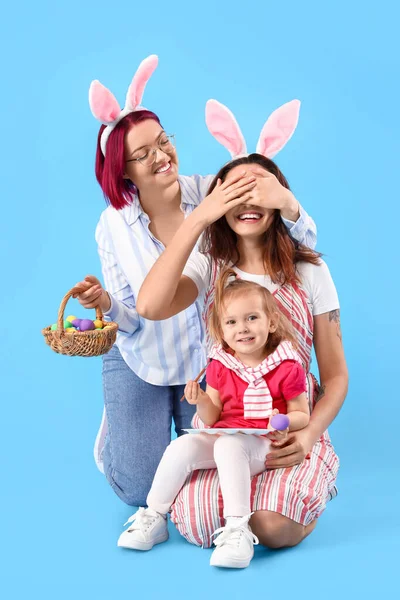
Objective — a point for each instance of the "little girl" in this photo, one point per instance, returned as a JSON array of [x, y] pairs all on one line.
[[254, 373]]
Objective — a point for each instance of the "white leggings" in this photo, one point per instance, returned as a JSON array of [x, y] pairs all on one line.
[[236, 456]]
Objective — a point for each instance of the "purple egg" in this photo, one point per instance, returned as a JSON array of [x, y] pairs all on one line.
[[280, 422], [86, 325], [76, 322]]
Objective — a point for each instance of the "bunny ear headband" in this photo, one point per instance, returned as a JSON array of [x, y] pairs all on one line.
[[276, 132], [105, 107]]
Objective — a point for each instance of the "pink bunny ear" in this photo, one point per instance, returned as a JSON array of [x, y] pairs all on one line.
[[139, 81], [278, 129], [102, 103], [223, 126]]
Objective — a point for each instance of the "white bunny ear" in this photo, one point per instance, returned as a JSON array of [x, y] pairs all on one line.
[[278, 129], [102, 103], [144, 72], [223, 126]]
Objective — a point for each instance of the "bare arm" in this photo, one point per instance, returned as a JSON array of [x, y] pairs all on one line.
[[209, 404], [165, 292], [332, 369], [334, 383], [298, 412]]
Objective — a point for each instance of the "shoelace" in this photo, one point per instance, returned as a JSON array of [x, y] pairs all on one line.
[[140, 519], [231, 534]]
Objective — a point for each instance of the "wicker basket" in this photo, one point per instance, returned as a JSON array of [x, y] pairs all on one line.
[[80, 343]]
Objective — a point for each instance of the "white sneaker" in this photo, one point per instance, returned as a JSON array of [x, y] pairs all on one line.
[[234, 544], [148, 528]]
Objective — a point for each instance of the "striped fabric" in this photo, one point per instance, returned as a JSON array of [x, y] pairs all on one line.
[[167, 352], [257, 399], [299, 493]]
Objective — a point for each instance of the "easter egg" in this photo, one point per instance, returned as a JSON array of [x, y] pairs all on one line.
[[99, 328], [71, 318], [86, 325], [76, 322], [107, 327], [67, 324], [53, 327], [98, 324], [70, 329], [280, 422]]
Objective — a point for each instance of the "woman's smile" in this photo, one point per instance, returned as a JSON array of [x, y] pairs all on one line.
[[164, 168], [249, 216]]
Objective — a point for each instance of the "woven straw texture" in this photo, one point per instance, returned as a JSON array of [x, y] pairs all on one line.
[[80, 343]]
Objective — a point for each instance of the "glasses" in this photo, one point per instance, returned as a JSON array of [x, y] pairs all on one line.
[[166, 144]]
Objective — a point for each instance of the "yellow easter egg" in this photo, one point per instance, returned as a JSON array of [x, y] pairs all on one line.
[[98, 324], [70, 318], [70, 329]]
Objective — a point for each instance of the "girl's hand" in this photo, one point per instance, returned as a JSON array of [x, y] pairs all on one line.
[[270, 194], [293, 451], [225, 196], [194, 394], [90, 294], [278, 437]]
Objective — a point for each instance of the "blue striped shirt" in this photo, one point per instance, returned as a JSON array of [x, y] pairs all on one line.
[[172, 351]]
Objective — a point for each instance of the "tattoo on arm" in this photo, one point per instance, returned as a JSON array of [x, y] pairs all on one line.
[[321, 393], [334, 315]]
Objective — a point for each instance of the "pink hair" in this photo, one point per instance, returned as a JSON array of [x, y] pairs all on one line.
[[110, 169]]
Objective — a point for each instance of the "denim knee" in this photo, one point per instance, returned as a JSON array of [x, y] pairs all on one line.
[[133, 493]]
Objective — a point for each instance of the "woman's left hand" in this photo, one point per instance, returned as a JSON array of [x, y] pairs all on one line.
[[269, 193], [292, 452]]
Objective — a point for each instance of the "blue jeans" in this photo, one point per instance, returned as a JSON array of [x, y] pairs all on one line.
[[139, 417]]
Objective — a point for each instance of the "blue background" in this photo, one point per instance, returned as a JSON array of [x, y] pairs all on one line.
[[60, 520]]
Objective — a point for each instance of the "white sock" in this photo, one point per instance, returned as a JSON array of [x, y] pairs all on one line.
[[233, 521], [158, 513]]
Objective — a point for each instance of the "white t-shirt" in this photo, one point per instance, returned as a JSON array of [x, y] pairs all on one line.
[[315, 280]]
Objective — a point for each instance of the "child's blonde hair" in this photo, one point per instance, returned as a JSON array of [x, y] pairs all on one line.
[[225, 289]]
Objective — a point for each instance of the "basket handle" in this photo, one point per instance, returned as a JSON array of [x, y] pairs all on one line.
[[60, 318]]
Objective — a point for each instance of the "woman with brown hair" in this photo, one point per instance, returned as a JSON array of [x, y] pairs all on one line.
[[246, 234]]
